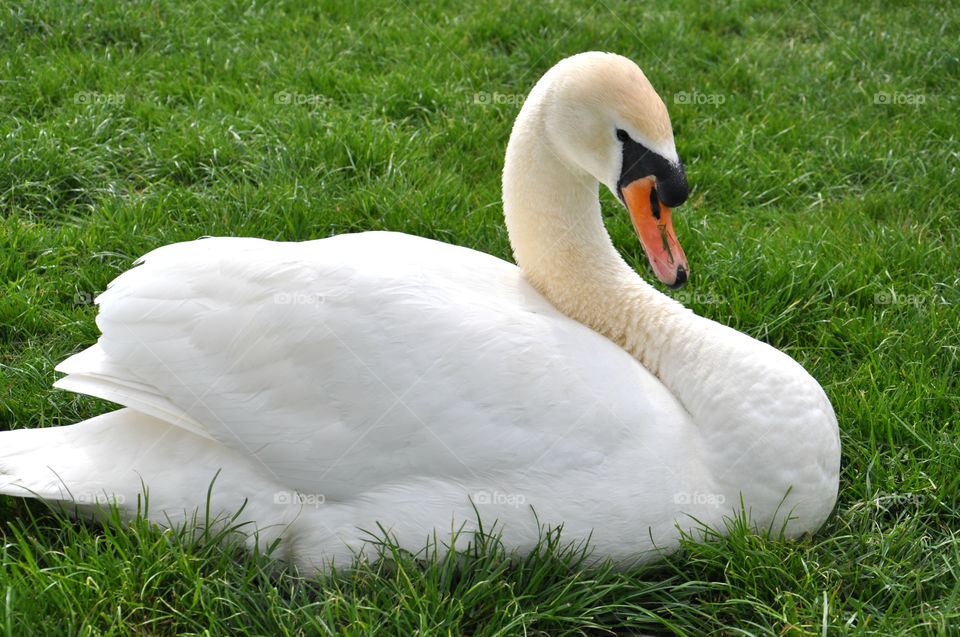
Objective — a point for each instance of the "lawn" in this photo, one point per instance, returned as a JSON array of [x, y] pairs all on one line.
[[821, 144]]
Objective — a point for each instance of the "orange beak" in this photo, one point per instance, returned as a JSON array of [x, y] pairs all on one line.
[[651, 220]]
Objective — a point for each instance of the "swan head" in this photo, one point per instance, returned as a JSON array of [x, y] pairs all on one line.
[[602, 118]]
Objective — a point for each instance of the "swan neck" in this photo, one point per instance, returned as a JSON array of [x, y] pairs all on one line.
[[556, 229]]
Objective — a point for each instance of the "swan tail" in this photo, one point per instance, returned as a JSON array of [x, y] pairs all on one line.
[[144, 466], [115, 457], [64, 464]]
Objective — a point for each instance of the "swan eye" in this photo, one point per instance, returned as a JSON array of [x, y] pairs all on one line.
[[622, 135]]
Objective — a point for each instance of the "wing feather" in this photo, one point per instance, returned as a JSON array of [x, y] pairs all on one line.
[[350, 362]]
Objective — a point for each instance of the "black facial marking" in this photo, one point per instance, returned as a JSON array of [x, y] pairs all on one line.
[[681, 278], [639, 162]]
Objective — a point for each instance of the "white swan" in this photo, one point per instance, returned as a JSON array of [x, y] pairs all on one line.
[[381, 377]]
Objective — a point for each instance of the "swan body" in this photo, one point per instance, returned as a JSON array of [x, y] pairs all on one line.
[[381, 378]]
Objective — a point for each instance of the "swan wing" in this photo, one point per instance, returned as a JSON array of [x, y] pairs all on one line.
[[346, 363]]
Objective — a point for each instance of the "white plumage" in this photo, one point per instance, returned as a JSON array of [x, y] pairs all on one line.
[[384, 378]]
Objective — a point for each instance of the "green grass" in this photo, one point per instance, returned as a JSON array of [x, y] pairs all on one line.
[[823, 219]]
